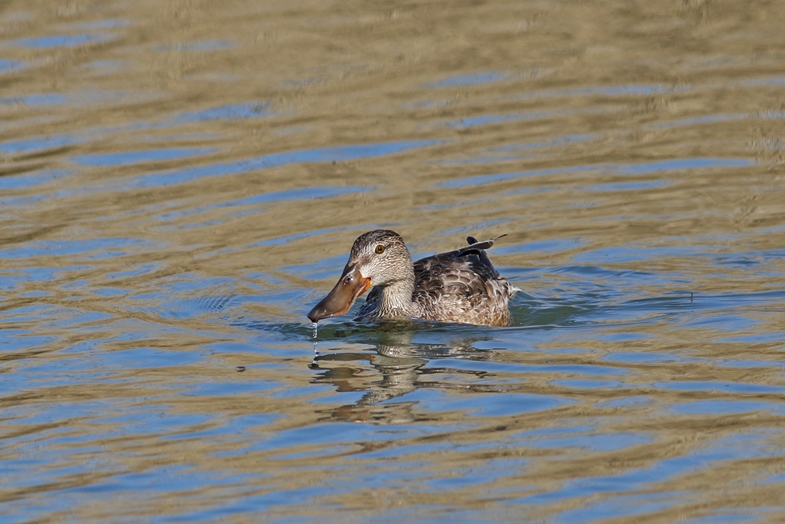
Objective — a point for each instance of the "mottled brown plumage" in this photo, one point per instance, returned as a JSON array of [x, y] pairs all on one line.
[[459, 286]]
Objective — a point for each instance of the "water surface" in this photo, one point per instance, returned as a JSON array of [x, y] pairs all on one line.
[[181, 183]]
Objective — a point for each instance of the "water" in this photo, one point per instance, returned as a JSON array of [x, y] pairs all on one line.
[[181, 183]]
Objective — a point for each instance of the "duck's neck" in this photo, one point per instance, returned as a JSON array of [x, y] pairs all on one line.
[[395, 299]]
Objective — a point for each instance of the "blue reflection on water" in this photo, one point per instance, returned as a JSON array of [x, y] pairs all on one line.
[[227, 112], [35, 99], [625, 169], [714, 407], [483, 120], [30, 145], [29, 179], [718, 387], [86, 248], [629, 186], [134, 157], [470, 79], [62, 40], [10, 65], [329, 154], [478, 406], [561, 244], [303, 193]]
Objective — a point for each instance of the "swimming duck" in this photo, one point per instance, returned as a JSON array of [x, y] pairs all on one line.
[[460, 286]]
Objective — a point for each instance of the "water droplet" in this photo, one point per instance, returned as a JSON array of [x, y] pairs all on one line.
[[315, 341]]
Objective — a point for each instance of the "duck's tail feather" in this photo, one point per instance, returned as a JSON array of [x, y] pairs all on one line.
[[485, 244]]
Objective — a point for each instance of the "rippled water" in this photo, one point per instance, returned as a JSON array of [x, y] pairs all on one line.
[[181, 182]]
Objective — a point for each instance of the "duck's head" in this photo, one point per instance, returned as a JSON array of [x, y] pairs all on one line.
[[378, 258]]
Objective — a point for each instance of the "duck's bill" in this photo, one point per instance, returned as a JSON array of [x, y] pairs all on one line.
[[351, 285]]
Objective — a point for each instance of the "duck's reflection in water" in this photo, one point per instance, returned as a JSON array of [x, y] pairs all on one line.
[[394, 371]]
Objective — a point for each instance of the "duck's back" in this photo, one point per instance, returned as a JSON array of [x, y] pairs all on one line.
[[462, 286]]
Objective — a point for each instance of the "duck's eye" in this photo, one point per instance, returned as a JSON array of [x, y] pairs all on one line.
[[379, 249]]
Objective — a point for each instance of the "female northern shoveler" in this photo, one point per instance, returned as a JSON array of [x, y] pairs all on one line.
[[460, 286]]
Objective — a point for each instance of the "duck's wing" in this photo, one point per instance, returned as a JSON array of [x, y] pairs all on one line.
[[444, 276], [465, 272], [462, 287], [467, 260]]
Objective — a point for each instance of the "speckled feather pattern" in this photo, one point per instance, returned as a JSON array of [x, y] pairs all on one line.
[[460, 286]]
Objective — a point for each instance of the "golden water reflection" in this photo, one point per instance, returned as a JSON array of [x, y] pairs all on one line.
[[181, 182]]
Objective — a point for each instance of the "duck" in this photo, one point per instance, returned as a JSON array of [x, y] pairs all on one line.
[[460, 286]]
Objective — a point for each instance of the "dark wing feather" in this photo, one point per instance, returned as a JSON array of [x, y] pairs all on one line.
[[471, 258], [485, 244], [440, 276], [460, 273]]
